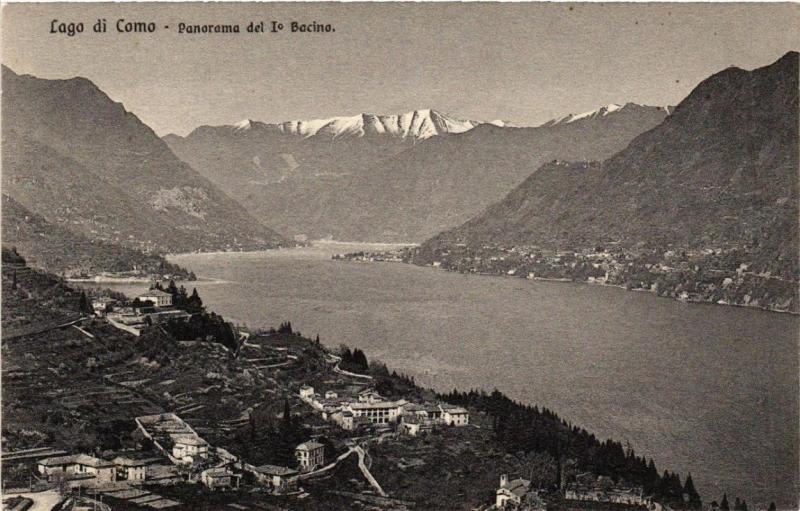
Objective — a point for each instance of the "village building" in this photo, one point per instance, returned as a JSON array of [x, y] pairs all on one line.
[[454, 415], [157, 317], [307, 391], [587, 488], [219, 478], [330, 394], [78, 465], [410, 424], [310, 455], [383, 412], [511, 493], [279, 478], [433, 412], [100, 305], [131, 470], [369, 396], [157, 297], [189, 448]]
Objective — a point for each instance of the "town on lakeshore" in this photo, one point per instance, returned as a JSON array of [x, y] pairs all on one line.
[[433, 256]]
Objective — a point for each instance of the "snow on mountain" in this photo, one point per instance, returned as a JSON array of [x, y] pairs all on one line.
[[244, 124], [417, 125], [601, 112]]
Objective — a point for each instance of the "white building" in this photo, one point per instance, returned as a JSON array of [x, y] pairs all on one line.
[[310, 455], [158, 297], [382, 412], [219, 477], [369, 396], [454, 415], [131, 470], [511, 492], [189, 448], [307, 392]]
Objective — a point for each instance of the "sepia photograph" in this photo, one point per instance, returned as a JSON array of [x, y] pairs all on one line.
[[473, 256]]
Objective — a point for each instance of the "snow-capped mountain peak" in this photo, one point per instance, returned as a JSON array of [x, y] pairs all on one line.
[[603, 111], [244, 124], [415, 125]]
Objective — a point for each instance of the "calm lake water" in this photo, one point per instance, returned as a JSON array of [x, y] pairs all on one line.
[[705, 389]]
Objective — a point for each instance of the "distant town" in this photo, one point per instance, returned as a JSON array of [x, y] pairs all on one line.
[[723, 276]]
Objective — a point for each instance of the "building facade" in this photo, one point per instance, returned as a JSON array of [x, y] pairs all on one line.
[[310, 455]]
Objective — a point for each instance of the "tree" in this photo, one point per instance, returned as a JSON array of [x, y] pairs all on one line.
[[194, 303], [771, 506], [84, 304], [14, 281], [689, 489], [724, 506], [287, 423]]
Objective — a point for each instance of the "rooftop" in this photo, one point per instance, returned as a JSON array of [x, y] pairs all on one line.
[[189, 440], [124, 461], [275, 470], [154, 292], [309, 446], [76, 459]]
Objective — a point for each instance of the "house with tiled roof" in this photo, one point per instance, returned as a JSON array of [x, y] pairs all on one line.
[[310, 455], [454, 415], [81, 465], [157, 297], [189, 448], [219, 478], [511, 493], [279, 478], [130, 469]]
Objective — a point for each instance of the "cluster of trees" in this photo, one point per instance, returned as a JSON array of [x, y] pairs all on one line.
[[285, 328], [519, 427], [206, 326], [738, 505], [354, 361], [267, 440]]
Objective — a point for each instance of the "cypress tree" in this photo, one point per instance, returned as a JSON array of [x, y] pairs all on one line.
[[84, 305], [14, 281], [724, 506], [689, 489]]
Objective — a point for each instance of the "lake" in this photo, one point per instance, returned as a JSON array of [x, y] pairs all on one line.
[[706, 389]]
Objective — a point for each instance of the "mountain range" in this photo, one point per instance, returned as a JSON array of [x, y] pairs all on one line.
[[721, 171], [77, 158], [391, 177]]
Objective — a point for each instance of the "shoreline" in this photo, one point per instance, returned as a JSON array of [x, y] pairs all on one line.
[[600, 284], [137, 280]]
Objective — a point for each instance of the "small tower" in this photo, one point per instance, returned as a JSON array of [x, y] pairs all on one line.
[[503, 481]]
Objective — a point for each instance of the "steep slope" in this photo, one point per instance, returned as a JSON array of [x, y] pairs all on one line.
[[721, 172], [58, 250], [79, 159], [363, 181]]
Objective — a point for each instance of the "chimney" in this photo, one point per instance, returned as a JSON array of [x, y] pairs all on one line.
[[503, 481]]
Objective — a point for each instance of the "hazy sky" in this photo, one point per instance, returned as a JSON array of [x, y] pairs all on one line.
[[525, 63]]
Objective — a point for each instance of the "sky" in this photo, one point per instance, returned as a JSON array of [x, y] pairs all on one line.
[[522, 62]]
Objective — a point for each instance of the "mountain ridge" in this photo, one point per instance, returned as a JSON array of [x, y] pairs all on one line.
[[387, 188], [720, 174], [125, 185]]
